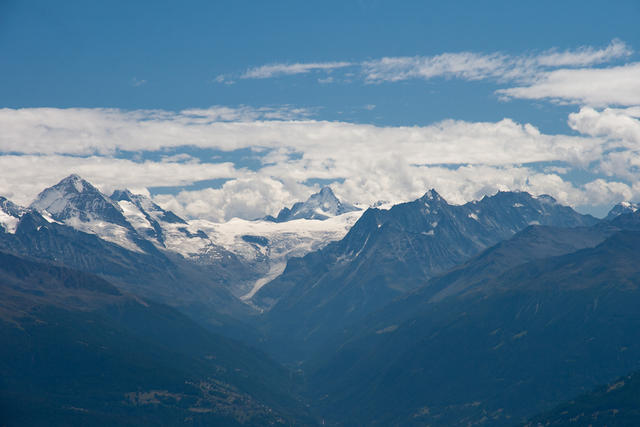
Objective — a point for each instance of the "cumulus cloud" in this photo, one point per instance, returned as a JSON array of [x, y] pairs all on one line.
[[24, 176], [365, 163], [276, 70], [101, 131], [613, 123], [252, 196]]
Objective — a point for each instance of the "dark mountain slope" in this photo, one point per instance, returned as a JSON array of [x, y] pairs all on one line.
[[386, 253], [164, 277], [76, 351], [501, 350], [615, 404], [533, 243]]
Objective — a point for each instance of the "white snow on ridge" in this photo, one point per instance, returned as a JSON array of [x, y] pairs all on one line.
[[177, 239], [105, 230], [135, 217], [53, 201], [8, 222], [285, 239]]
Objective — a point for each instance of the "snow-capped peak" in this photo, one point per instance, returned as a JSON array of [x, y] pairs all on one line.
[[147, 205], [75, 202], [321, 205], [10, 214], [73, 197], [622, 208], [432, 195]]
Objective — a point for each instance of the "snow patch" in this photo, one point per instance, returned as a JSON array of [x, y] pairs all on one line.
[[78, 185], [8, 222], [105, 230]]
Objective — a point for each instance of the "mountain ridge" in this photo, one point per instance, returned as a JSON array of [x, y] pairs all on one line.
[[388, 252]]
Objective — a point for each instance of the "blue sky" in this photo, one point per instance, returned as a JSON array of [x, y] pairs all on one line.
[[455, 67]]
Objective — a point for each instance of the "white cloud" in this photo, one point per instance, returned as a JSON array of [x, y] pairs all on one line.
[[478, 66], [613, 123], [621, 129], [550, 74], [90, 131], [252, 196], [464, 65], [586, 55], [276, 70], [462, 160], [23, 177], [596, 87]]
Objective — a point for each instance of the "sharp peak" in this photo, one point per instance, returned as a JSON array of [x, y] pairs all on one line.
[[325, 191], [73, 177], [76, 181], [431, 194]]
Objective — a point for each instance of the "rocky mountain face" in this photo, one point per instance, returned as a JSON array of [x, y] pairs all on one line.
[[510, 333], [388, 252], [320, 206]]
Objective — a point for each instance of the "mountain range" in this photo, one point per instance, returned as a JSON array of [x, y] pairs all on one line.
[[528, 323], [503, 311], [387, 253]]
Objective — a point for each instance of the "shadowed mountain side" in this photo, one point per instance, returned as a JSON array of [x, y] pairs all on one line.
[[199, 291], [386, 253], [532, 243], [76, 351], [615, 404], [496, 352]]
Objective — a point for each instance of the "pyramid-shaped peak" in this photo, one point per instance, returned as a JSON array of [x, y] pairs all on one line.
[[74, 197], [326, 191], [74, 183], [432, 194], [321, 205], [325, 194]]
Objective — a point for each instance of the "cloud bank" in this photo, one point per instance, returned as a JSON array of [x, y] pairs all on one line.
[[364, 163]]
